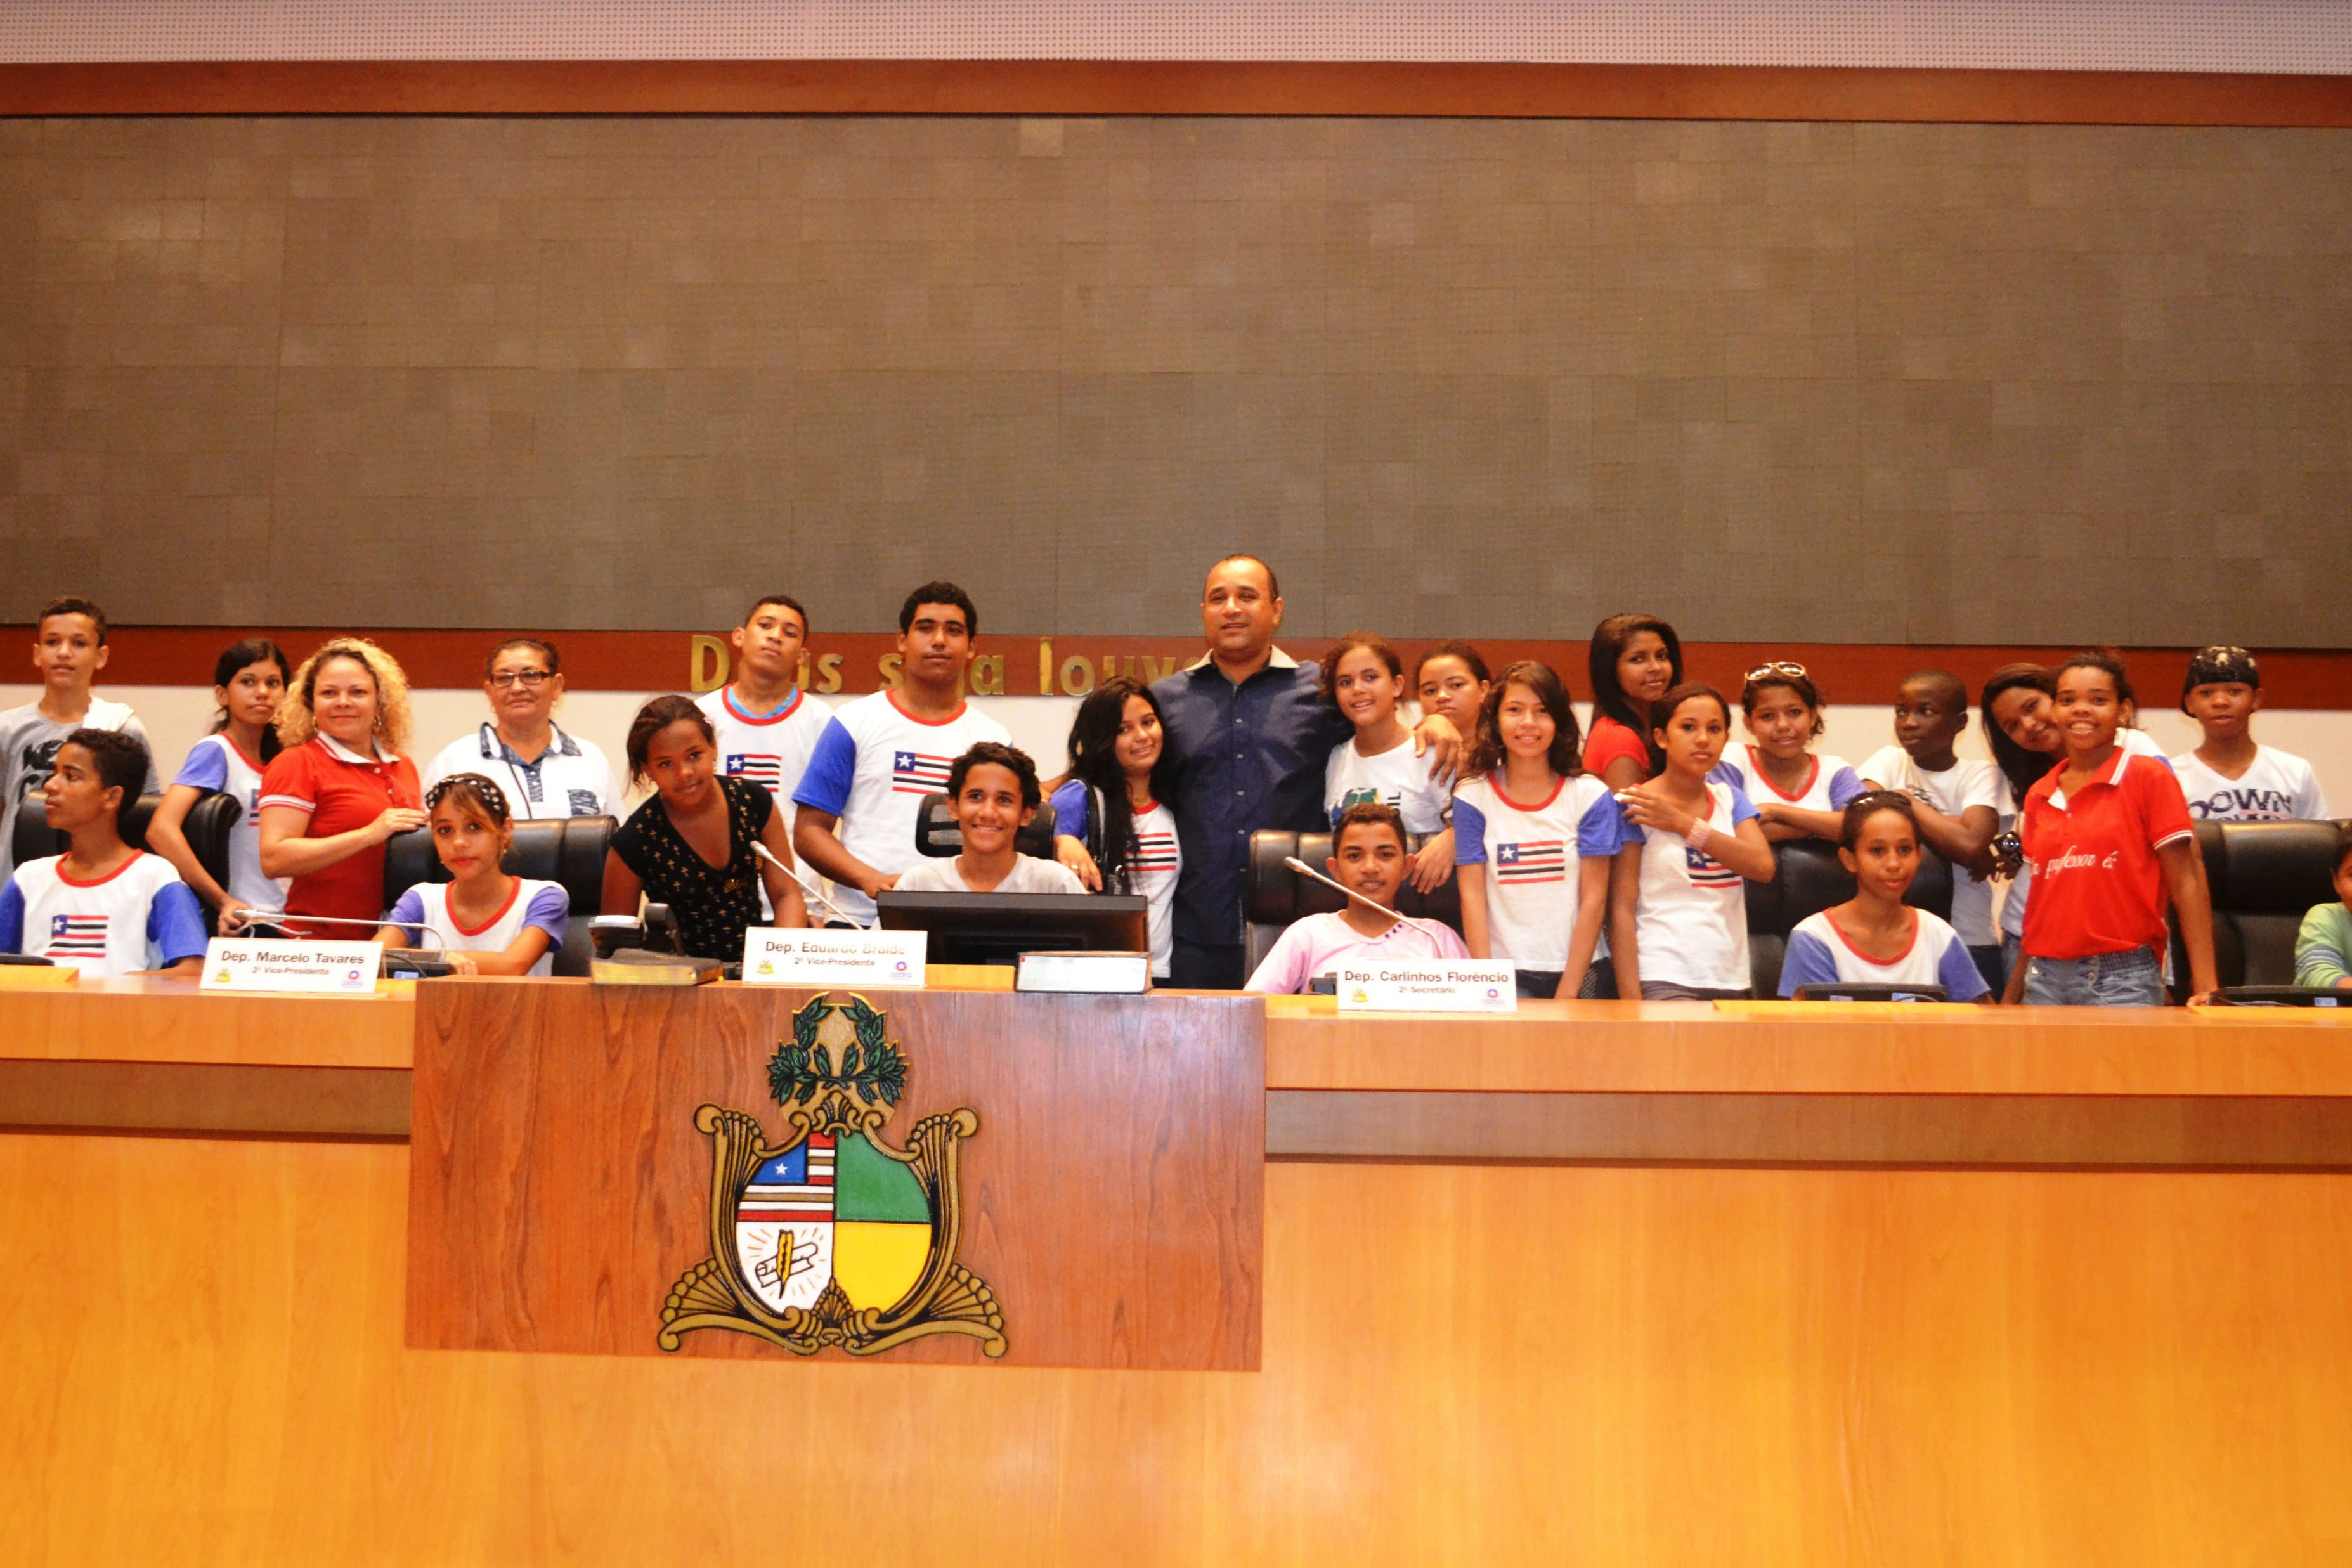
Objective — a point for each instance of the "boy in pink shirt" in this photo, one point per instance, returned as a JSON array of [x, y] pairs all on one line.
[[1368, 855]]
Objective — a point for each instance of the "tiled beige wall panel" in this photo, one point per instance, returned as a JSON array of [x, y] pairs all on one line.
[[1819, 381]]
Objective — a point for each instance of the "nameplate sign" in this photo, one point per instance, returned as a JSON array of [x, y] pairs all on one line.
[[1468, 986], [331, 968], [775, 956]]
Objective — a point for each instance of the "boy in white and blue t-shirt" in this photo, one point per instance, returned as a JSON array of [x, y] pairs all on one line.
[[102, 907], [879, 756], [765, 723]]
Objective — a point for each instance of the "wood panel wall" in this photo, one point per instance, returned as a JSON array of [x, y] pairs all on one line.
[[1463, 1366]]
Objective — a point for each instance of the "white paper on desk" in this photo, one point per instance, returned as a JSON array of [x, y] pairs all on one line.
[[1439, 986], [775, 956], [327, 969]]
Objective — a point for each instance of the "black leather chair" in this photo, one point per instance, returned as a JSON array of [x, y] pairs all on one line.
[[33, 838], [206, 828], [2264, 877], [1279, 896], [1809, 879], [567, 850], [937, 837]]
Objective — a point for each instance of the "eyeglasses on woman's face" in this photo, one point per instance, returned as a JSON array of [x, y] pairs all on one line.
[[530, 680]]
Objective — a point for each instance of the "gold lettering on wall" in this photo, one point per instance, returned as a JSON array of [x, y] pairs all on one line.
[[706, 664], [889, 667], [828, 672], [988, 675], [1077, 675], [1045, 667]]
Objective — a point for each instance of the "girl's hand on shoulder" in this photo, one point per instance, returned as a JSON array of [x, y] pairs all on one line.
[[1646, 807], [1428, 867], [1435, 737], [1071, 853]]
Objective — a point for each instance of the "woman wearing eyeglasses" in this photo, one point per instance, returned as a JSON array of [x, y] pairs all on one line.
[[542, 771], [1797, 792]]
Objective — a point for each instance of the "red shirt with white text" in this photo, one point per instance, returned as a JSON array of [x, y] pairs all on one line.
[[2098, 886]]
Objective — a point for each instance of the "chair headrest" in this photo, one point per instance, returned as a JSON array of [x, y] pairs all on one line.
[[2275, 868], [567, 850], [938, 837], [1810, 878], [33, 838], [1276, 896]]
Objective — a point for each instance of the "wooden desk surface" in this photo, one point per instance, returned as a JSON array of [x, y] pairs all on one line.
[[1545, 1047], [1812, 1048], [1558, 1082]]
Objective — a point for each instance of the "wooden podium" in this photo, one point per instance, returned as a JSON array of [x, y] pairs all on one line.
[[1112, 1199]]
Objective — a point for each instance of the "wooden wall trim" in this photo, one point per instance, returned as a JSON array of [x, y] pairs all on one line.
[[1476, 90], [443, 658], [1951, 1132]]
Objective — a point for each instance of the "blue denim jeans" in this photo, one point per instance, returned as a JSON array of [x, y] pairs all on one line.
[[2129, 980]]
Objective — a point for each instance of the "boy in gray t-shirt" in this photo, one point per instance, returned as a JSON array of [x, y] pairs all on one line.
[[69, 650]]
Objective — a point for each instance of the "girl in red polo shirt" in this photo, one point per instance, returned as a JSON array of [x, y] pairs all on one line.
[[341, 787], [2108, 837]]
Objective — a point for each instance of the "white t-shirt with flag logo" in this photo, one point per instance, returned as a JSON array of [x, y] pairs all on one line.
[[1829, 786], [425, 907], [1153, 863], [871, 769], [1691, 917], [1395, 777], [1534, 855], [216, 766], [142, 917], [2279, 787], [771, 750]]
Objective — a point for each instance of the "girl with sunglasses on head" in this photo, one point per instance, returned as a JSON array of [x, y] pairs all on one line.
[[1797, 793]]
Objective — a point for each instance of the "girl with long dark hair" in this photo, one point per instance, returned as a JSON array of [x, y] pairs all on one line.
[[248, 683], [1113, 825], [1635, 659]]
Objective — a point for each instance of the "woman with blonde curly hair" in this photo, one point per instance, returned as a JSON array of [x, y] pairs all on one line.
[[341, 787]]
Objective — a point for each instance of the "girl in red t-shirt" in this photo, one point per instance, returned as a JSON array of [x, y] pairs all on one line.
[[1634, 661], [2108, 836]]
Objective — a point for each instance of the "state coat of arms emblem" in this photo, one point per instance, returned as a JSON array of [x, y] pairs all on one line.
[[832, 1237]]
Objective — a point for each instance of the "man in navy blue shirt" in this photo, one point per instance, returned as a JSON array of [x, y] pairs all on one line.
[[1250, 732]]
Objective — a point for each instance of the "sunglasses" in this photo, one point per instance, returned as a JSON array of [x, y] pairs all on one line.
[[1776, 668]]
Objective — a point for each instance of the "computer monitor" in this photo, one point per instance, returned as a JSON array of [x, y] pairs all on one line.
[[998, 928], [1867, 991]]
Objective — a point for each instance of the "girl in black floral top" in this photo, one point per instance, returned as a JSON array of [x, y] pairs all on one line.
[[690, 846]]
